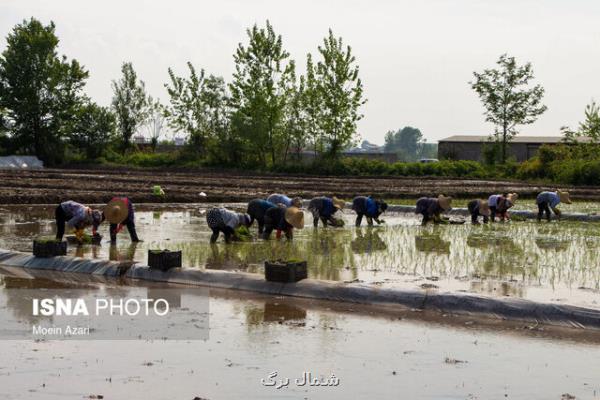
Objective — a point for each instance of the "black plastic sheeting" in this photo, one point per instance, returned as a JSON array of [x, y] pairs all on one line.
[[449, 303]]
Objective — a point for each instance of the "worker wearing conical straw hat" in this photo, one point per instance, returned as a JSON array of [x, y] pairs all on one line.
[[323, 208], [283, 220], [547, 201], [500, 204], [119, 212], [431, 208], [479, 208]]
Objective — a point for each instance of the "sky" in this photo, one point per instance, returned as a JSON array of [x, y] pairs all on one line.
[[416, 57]]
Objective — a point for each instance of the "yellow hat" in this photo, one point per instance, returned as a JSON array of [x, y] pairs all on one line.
[[564, 197], [337, 203], [484, 208], [116, 211], [295, 217], [445, 201]]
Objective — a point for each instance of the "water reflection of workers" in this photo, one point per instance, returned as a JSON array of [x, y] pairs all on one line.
[[550, 200], [367, 242], [114, 254], [431, 208], [120, 212], [76, 216]]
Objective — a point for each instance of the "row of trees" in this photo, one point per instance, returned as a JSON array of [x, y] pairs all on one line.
[[266, 115]]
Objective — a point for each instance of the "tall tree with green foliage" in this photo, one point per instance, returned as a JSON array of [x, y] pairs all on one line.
[[39, 90], [129, 103], [92, 128], [406, 142], [311, 102], [260, 88], [589, 128], [155, 121], [509, 98], [340, 92], [198, 107]]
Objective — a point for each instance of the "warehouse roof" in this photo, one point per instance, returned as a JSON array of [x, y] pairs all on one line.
[[516, 139]]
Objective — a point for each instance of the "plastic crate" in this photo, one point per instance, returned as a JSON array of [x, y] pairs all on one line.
[[49, 248], [164, 260], [283, 271]]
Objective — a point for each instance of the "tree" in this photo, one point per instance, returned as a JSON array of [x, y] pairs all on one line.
[[340, 94], [311, 102], [408, 142], [93, 127], [39, 90], [155, 121], [259, 92], [198, 107], [129, 103], [589, 128], [295, 121], [508, 98]]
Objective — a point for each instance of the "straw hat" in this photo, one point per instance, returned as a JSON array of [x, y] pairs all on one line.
[[484, 208], [337, 203], [444, 201], [295, 217], [564, 197], [512, 197], [116, 211]]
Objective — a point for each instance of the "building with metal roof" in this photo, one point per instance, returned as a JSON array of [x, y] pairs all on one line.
[[470, 147]]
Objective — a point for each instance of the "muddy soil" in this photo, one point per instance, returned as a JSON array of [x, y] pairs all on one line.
[[49, 186]]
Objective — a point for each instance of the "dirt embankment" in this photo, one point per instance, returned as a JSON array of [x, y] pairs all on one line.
[[50, 186]]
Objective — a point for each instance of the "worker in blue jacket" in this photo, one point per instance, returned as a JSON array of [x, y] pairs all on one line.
[[369, 207]]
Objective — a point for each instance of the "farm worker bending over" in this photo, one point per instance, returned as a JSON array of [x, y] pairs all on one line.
[[223, 220], [323, 208], [286, 201], [76, 216], [431, 208], [499, 205], [369, 207], [479, 207], [549, 200], [120, 212], [257, 209], [283, 219]]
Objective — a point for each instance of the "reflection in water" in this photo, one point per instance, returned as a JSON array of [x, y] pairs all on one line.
[[367, 242], [555, 255], [432, 243]]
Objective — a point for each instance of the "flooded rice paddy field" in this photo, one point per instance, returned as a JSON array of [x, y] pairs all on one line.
[[554, 262], [373, 356]]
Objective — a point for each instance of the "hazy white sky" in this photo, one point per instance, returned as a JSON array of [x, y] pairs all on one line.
[[416, 57]]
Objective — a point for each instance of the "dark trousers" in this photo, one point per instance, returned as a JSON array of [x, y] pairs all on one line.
[[359, 218], [130, 224], [543, 207], [493, 210], [61, 220], [228, 232], [473, 207]]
